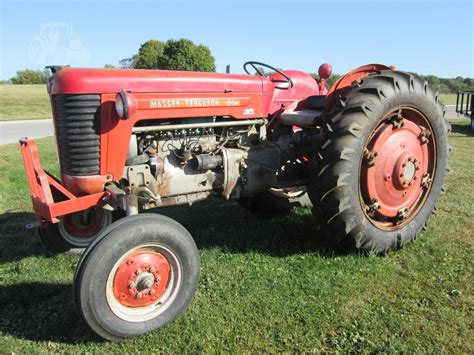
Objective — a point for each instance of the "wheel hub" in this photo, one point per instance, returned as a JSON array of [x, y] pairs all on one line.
[[84, 223], [396, 159], [141, 279]]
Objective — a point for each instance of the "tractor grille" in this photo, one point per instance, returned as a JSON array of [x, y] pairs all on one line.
[[78, 133]]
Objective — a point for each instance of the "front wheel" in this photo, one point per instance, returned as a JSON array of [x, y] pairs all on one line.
[[75, 231], [382, 163], [138, 277]]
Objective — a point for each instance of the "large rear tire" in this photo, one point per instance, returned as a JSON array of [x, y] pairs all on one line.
[[381, 164], [137, 277]]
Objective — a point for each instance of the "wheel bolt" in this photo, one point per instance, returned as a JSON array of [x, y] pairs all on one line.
[[151, 269], [138, 271], [139, 295], [152, 292], [158, 279], [131, 285], [149, 284]]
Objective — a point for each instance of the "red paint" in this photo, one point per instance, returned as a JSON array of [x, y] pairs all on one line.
[[344, 83], [111, 81], [74, 224], [133, 271], [325, 71], [40, 182], [385, 180], [84, 185]]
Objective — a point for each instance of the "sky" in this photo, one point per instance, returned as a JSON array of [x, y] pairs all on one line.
[[427, 37]]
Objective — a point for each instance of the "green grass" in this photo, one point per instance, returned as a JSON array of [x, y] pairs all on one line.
[[448, 99], [22, 102], [266, 284]]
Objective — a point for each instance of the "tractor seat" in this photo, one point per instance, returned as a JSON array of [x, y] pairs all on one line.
[[315, 102]]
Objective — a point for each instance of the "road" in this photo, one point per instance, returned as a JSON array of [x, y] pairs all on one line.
[[10, 131]]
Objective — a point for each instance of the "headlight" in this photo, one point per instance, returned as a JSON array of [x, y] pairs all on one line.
[[125, 104]]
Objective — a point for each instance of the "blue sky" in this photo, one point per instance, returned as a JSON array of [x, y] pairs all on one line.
[[428, 37]]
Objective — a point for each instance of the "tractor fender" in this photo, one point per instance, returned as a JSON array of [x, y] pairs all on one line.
[[344, 83]]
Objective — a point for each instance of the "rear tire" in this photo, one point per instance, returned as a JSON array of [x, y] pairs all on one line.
[[137, 278], [352, 190]]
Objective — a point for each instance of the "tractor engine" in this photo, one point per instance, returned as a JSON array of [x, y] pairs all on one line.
[[183, 161]]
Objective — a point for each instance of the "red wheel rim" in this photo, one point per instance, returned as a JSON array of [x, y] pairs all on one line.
[[141, 279], [397, 168], [84, 223]]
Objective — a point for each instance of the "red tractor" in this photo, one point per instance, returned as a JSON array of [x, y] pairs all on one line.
[[371, 154]]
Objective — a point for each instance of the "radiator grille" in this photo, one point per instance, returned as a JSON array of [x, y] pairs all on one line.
[[78, 133]]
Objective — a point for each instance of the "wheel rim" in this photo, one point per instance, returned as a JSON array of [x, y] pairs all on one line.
[[288, 193], [80, 228], [143, 282], [397, 168]]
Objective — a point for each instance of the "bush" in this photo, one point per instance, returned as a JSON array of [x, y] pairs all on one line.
[[29, 76]]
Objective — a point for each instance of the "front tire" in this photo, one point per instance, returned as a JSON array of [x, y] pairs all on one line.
[[75, 231], [137, 278], [381, 164]]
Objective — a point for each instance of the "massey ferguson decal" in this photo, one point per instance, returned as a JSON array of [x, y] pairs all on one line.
[[196, 102]]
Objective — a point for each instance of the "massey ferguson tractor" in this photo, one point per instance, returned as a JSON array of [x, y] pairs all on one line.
[[369, 154]]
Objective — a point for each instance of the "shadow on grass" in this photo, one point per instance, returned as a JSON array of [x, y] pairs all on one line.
[[217, 223], [45, 311], [464, 129], [42, 312], [213, 223], [16, 241]]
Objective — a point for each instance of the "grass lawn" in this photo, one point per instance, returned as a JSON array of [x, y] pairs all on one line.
[[20, 102], [448, 99], [266, 284], [24, 102]]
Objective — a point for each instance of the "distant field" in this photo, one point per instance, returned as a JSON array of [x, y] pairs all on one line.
[[448, 99], [23, 102]]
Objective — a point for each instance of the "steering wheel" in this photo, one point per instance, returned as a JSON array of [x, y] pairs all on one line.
[[255, 65]]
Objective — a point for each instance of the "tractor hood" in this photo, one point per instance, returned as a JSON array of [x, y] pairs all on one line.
[[110, 81]]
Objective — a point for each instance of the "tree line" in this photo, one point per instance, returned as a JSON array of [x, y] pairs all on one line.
[[183, 54]]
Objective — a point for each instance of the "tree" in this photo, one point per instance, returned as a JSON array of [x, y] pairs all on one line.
[[128, 63], [180, 54], [149, 54], [109, 66], [29, 76], [183, 54]]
